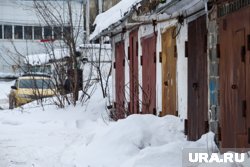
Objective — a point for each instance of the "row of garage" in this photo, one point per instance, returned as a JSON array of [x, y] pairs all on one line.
[[194, 66]]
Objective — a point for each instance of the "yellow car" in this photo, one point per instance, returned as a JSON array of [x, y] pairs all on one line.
[[30, 87]]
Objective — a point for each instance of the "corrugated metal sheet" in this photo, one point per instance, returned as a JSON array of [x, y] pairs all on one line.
[[197, 79], [133, 65], [234, 79], [169, 60], [149, 74], [120, 80]]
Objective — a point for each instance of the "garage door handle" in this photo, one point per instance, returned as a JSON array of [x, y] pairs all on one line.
[[195, 86], [244, 108], [234, 86], [166, 83]]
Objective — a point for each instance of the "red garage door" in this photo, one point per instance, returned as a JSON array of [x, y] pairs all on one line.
[[120, 80], [197, 79], [234, 30], [148, 62]]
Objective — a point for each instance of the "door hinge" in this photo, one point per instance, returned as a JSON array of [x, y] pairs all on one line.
[[224, 24], [123, 62], [160, 57], [243, 53], [137, 48], [141, 60], [186, 48], [248, 136], [114, 65], [154, 111], [154, 57], [219, 133], [218, 50], [129, 107], [129, 53], [175, 51], [248, 42], [244, 108], [205, 43], [206, 126], [186, 127]]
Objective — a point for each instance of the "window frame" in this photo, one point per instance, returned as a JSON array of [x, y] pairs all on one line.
[[11, 36], [26, 33], [17, 32], [36, 35]]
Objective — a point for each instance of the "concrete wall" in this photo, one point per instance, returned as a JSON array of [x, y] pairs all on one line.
[[213, 69]]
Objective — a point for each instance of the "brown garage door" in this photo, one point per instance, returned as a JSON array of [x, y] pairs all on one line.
[[197, 79], [120, 80], [133, 67], [169, 59], [149, 74], [235, 79]]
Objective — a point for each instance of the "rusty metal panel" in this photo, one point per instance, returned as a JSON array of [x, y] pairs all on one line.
[[234, 82], [133, 67], [197, 79], [120, 80], [169, 60], [149, 74]]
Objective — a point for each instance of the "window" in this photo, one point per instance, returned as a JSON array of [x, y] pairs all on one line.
[[18, 31], [37, 32], [27, 32], [1, 32], [57, 33], [36, 84], [47, 33], [66, 32], [7, 32]]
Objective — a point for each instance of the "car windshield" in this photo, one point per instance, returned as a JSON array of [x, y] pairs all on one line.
[[36, 84]]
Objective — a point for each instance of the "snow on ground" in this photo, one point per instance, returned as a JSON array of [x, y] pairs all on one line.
[[83, 136], [4, 93]]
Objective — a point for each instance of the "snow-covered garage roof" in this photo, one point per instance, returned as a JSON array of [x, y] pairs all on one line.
[[113, 15]]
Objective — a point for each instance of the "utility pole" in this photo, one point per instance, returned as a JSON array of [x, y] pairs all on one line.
[[100, 6], [87, 21]]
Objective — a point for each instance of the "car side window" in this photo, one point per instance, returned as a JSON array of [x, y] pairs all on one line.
[[16, 83]]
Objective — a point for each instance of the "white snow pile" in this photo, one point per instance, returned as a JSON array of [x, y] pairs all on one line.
[[83, 136], [42, 58], [111, 16], [4, 93]]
